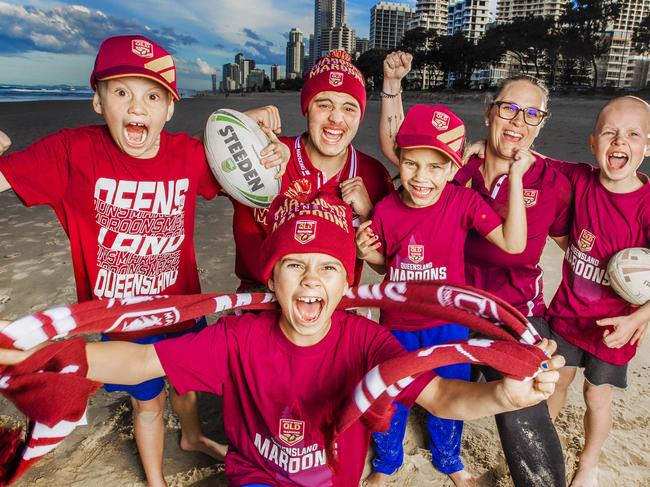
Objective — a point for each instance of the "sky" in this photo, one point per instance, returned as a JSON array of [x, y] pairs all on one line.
[[45, 42]]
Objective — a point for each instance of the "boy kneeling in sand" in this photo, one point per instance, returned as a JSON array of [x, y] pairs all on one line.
[[284, 374]]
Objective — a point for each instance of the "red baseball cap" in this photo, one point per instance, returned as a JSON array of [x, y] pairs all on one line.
[[435, 127], [134, 55]]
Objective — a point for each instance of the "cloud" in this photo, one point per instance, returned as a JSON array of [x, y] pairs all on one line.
[[251, 34], [71, 29], [204, 67]]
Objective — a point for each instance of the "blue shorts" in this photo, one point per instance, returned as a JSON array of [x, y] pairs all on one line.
[[145, 391]]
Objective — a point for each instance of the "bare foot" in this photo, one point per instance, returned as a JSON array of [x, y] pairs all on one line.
[[586, 475], [205, 445], [463, 478], [376, 479]]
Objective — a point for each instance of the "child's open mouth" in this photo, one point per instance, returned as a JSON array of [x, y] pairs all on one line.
[[309, 309], [136, 133], [617, 160], [421, 191]]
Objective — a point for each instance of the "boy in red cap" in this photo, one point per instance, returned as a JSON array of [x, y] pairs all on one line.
[[285, 376], [125, 193], [418, 234], [333, 100]]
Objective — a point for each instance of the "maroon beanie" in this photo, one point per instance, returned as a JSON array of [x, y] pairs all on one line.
[[137, 56], [334, 72], [299, 224]]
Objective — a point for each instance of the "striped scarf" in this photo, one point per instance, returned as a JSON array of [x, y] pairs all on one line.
[[51, 388]]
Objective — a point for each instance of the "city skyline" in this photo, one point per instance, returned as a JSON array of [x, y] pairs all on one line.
[[45, 42]]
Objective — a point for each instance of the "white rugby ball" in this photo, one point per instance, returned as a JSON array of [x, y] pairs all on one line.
[[629, 275], [233, 143]]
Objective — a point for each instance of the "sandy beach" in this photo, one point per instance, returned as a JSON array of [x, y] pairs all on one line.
[[36, 272]]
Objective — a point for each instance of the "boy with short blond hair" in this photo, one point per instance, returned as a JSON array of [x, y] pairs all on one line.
[[125, 193], [596, 329]]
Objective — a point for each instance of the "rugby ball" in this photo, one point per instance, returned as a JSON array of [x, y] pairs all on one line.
[[629, 275], [233, 143]]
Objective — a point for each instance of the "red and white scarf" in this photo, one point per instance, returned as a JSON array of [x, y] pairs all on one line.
[[51, 388]]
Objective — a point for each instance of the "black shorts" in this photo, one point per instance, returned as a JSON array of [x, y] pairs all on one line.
[[597, 371]]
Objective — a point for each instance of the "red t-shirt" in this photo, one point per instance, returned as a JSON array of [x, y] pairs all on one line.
[[603, 223], [250, 226], [518, 278], [277, 396], [130, 221], [426, 244]]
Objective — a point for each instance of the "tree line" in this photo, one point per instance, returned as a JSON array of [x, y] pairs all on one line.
[[563, 51]]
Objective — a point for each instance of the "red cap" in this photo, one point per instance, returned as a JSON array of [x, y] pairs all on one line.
[[299, 224], [123, 56], [433, 126], [334, 72]]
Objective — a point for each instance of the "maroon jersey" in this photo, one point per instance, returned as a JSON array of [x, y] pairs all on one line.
[[518, 278], [130, 221], [603, 223], [250, 226], [277, 396], [427, 244]]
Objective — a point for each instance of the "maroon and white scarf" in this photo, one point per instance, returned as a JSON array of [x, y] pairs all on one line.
[[51, 388]]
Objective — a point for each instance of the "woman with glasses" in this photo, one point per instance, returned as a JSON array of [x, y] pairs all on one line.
[[514, 116]]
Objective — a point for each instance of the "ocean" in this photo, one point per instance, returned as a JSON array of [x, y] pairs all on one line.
[[33, 93], [59, 92]]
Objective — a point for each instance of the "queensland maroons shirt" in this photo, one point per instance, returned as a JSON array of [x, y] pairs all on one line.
[[250, 226], [517, 278], [278, 397], [603, 223], [427, 244], [130, 221]]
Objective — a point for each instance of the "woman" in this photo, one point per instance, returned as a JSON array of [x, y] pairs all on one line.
[[514, 117]]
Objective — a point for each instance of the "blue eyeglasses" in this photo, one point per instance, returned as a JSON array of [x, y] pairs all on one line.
[[508, 111]]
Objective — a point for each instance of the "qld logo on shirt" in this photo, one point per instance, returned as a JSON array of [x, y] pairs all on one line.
[[440, 121], [291, 431], [142, 48], [305, 231], [586, 240], [530, 197], [336, 78], [416, 253]]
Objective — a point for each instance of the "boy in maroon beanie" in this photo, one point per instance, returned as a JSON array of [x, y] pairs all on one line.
[[333, 100], [286, 375]]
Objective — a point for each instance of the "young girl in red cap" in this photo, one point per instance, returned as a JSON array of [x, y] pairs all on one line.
[[418, 234]]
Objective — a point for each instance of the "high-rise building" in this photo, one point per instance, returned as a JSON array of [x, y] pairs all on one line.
[[275, 72], [431, 14], [469, 17], [231, 78], [327, 14], [341, 37], [509, 10], [621, 67], [361, 46], [388, 22], [214, 83], [295, 53], [255, 79]]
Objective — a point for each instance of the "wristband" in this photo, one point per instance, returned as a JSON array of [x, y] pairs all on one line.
[[383, 94]]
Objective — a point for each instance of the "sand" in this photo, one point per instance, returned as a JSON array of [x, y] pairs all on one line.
[[35, 273]]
